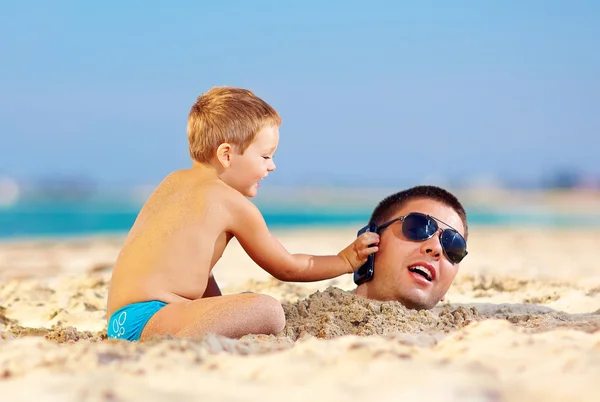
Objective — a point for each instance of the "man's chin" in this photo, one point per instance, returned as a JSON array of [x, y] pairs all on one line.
[[416, 299], [417, 304]]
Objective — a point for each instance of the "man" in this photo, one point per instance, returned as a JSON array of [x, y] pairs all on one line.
[[422, 241]]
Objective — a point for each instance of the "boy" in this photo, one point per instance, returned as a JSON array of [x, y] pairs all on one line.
[[162, 281]]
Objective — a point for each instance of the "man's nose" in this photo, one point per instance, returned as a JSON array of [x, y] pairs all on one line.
[[432, 246]]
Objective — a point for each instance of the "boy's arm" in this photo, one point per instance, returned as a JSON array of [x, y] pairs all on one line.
[[250, 229]]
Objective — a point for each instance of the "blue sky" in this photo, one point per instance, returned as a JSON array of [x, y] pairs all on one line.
[[380, 93]]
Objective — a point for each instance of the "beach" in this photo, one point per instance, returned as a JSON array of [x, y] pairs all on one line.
[[521, 322]]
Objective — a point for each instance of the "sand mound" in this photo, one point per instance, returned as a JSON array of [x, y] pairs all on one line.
[[334, 312]]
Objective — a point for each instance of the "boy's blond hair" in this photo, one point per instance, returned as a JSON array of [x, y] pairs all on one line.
[[226, 114]]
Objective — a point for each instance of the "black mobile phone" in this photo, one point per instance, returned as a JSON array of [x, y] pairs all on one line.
[[366, 272]]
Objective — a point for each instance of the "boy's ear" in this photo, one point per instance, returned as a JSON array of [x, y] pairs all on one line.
[[224, 152]]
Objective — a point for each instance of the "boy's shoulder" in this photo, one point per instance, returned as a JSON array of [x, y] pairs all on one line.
[[217, 195], [227, 197]]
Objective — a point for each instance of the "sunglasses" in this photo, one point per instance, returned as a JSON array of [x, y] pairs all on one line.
[[420, 227]]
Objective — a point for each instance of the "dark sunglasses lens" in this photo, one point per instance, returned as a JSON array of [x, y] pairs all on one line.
[[454, 245], [418, 227]]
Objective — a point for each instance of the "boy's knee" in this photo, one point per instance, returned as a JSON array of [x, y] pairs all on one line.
[[273, 317]]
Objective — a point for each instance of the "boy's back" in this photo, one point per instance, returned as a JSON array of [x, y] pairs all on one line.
[[174, 243]]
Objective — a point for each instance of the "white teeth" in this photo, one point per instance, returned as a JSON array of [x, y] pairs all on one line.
[[423, 270]]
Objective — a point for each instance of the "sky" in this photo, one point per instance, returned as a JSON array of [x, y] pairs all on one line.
[[370, 93]]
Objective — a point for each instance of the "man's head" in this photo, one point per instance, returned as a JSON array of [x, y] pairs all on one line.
[[238, 132], [416, 273]]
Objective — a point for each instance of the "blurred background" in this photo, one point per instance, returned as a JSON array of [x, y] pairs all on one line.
[[496, 101]]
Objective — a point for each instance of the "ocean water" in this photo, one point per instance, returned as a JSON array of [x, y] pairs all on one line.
[[30, 220]]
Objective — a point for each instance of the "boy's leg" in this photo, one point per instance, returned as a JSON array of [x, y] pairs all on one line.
[[232, 316]]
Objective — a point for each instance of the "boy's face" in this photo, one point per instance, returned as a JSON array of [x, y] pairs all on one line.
[[393, 280], [247, 169]]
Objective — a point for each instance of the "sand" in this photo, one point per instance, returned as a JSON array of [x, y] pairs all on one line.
[[521, 322]]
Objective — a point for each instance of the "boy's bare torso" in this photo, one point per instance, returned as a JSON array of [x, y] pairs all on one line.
[[177, 238]]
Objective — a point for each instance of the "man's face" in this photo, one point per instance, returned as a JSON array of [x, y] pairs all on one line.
[[394, 279]]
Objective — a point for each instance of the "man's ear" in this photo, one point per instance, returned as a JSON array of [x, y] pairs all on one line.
[[224, 152]]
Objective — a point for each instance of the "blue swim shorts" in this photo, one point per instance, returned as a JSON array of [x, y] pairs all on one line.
[[129, 321]]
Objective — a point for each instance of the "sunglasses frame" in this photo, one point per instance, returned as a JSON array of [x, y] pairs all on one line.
[[402, 218]]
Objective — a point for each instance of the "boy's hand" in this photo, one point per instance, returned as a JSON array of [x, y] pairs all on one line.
[[357, 252]]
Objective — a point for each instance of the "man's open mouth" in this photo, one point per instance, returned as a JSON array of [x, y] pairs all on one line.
[[424, 272]]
